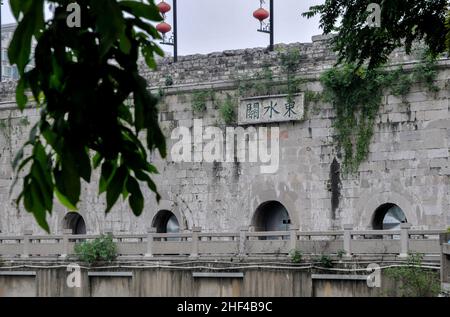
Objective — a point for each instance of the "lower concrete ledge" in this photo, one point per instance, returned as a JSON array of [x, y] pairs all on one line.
[[446, 248], [17, 273], [339, 277], [218, 275], [111, 274]]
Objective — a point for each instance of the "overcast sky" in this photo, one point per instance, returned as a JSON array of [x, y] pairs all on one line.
[[215, 25]]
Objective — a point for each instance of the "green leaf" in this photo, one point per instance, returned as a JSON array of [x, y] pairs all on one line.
[[68, 178], [45, 187], [64, 201], [141, 10], [20, 46], [109, 21], [115, 187], [96, 160], [36, 207], [83, 163], [21, 97], [19, 6], [107, 173], [136, 200], [125, 44], [147, 52]]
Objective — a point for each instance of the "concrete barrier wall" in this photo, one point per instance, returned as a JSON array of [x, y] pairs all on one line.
[[146, 282]]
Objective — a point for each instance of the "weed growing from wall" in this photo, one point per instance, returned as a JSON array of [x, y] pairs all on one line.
[[102, 249], [415, 281], [263, 83], [325, 261], [227, 110], [296, 256], [199, 100], [24, 122]]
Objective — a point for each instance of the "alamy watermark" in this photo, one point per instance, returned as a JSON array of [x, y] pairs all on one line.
[[374, 18], [74, 277], [74, 18], [374, 278], [212, 144]]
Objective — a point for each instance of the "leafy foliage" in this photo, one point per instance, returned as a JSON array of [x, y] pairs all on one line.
[[263, 83], [356, 94], [325, 261], [290, 62], [415, 281], [340, 254], [296, 256], [102, 249], [199, 100], [81, 80], [403, 22], [227, 110]]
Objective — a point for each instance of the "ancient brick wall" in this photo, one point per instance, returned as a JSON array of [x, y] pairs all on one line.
[[408, 164]]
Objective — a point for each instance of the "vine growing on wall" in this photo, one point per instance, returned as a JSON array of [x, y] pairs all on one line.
[[227, 110], [5, 128], [356, 95], [290, 62], [200, 98], [263, 83]]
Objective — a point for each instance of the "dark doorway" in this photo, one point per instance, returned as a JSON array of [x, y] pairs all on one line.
[[388, 217], [166, 222], [75, 222], [271, 216]]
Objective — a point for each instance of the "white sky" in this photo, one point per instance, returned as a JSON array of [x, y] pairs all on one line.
[[215, 25]]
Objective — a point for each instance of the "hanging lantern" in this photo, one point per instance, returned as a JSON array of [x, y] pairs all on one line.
[[164, 7], [261, 14], [163, 27]]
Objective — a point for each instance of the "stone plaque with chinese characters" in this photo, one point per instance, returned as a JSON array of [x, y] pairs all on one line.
[[278, 108]]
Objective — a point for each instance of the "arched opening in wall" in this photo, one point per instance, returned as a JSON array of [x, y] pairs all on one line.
[[166, 222], [388, 217], [271, 216], [75, 222]]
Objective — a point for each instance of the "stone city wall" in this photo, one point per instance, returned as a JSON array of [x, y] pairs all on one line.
[[408, 164]]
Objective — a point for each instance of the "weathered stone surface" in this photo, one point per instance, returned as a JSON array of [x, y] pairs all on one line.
[[408, 163]]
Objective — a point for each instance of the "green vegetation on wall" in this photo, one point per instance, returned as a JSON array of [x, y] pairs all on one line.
[[227, 110], [200, 98], [356, 94], [414, 280], [102, 249], [263, 83], [296, 256]]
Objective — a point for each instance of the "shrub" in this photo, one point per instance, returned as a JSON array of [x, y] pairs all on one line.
[[227, 110], [296, 256], [414, 281], [341, 253], [325, 261], [168, 80], [199, 100], [102, 249]]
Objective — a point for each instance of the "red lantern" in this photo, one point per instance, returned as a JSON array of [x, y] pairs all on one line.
[[163, 27], [164, 7], [261, 14]]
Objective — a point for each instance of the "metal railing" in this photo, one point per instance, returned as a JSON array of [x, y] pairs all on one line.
[[196, 243]]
